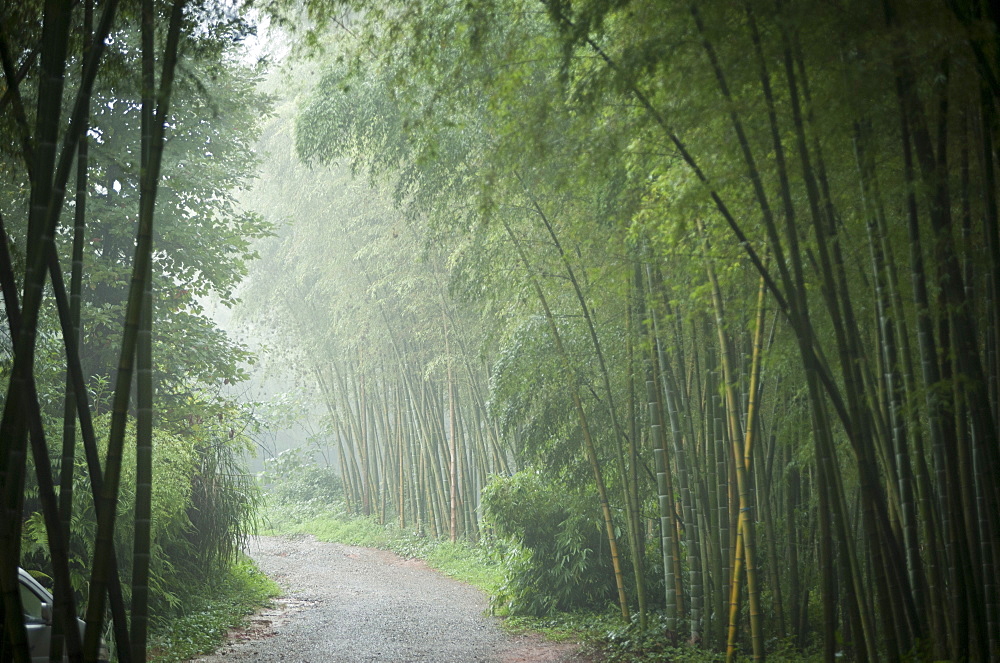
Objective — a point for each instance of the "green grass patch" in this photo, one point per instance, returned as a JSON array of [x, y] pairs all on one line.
[[350, 531], [482, 565], [468, 562], [575, 627], [202, 625]]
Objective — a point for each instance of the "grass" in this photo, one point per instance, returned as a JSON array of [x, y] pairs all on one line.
[[482, 567], [569, 627], [208, 617], [466, 562]]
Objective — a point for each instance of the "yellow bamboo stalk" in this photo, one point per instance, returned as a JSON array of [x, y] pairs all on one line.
[[745, 536], [588, 441]]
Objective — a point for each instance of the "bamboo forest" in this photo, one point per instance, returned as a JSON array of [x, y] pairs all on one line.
[[681, 317]]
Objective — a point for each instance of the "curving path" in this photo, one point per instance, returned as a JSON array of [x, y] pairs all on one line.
[[352, 605]]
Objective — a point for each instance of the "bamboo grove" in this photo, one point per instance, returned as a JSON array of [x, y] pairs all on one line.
[[77, 268], [728, 270]]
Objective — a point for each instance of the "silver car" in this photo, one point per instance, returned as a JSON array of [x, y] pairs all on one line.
[[37, 603]]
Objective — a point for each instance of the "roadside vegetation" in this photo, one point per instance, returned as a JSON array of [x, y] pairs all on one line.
[[692, 304], [305, 497], [210, 611], [122, 486]]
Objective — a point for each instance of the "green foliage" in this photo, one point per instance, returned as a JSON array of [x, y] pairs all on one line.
[[298, 487], [213, 608], [225, 500], [629, 642], [175, 464], [203, 240], [203, 506], [558, 563], [632, 644]]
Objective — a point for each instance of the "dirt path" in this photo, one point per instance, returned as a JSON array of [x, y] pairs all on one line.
[[350, 605]]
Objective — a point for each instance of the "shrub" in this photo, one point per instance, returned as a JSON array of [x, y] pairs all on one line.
[[300, 488], [557, 564], [202, 508]]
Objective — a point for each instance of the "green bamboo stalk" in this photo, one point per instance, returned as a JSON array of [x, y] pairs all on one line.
[[14, 427], [21, 411], [688, 507], [664, 503], [144, 373], [401, 445], [437, 452], [925, 491], [638, 548], [72, 136], [13, 94], [347, 461], [68, 456], [630, 498], [453, 462], [141, 269], [745, 538], [353, 430], [791, 528], [886, 554], [585, 428], [894, 388]]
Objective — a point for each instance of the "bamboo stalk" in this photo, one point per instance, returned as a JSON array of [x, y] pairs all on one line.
[[589, 449]]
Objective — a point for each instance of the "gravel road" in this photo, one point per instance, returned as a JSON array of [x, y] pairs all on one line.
[[348, 604]]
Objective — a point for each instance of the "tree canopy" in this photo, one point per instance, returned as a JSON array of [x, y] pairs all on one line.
[[730, 268]]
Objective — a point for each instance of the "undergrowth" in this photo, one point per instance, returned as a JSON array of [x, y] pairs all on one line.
[[495, 565], [202, 623]]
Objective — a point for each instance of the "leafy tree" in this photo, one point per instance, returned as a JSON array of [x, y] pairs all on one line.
[[203, 246]]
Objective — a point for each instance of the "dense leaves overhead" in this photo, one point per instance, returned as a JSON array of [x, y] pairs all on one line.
[[732, 266], [96, 87]]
